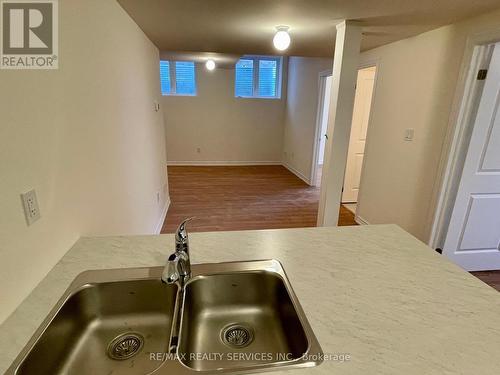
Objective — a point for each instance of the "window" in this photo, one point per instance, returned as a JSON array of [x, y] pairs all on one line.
[[258, 77], [165, 77], [177, 78]]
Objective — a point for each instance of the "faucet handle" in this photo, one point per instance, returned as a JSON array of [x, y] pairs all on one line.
[[170, 273], [181, 236]]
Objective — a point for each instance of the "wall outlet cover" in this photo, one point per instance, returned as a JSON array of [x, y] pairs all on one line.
[[30, 205], [409, 134]]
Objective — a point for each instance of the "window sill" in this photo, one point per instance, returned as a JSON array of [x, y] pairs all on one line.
[[179, 95], [258, 97]]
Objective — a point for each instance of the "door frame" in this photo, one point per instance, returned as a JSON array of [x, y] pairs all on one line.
[[321, 84], [367, 64], [465, 103], [361, 65], [319, 111]]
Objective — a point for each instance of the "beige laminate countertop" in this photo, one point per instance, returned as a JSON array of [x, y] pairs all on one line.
[[373, 292]]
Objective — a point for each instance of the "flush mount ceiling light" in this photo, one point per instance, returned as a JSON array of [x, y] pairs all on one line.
[[210, 64], [282, 39]]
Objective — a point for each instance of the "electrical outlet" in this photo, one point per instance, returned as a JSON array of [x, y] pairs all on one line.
[[156, 106], [198, 150], [30, 205]]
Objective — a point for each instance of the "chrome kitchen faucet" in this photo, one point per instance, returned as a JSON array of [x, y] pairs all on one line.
[[178, 267]]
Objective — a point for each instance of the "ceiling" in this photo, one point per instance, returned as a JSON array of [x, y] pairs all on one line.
[[248, 26]]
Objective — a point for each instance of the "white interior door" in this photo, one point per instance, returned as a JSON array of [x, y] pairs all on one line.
[[360, 119], [473, 237]]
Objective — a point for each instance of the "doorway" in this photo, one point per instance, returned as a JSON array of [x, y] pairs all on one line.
[[360, 120], [357, 140], [325, 86], [473, 236]]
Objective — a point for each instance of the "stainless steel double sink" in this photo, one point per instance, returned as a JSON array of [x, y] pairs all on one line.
[[239, 317]]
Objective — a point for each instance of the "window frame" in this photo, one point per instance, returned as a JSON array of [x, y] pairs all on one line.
[[256, 67], [173, 78]]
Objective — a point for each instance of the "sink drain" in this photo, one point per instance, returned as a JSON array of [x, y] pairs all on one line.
[[125, 346], [237, 336]]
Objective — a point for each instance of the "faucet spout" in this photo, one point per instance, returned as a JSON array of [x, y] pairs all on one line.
[[181, 237]]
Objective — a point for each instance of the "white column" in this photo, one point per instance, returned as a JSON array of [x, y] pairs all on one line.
[[345, 70]]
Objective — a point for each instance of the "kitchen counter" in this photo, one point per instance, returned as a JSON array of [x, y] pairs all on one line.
[[373, 294]]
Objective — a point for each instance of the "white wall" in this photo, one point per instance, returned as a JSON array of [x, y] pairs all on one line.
[[301, 111], [225, 129], [86, 138], [415, 88]]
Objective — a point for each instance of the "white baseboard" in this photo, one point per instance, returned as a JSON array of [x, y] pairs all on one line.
[[297, 173], [208, 163], [360, 220], [160, 222], [204, 163]]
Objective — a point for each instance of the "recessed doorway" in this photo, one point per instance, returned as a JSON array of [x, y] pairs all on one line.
[[360, 122]]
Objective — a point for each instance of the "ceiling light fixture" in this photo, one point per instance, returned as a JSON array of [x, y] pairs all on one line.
[[210, 64], [281, 39]]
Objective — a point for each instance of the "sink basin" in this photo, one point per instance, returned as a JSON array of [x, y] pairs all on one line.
[[231, 318], [101, 324]]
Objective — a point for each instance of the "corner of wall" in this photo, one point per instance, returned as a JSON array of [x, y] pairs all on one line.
[[159, 225]]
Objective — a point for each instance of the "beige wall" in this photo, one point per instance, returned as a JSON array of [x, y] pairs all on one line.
[[86, 138], [301, 111], [415, 88], [225, 129]]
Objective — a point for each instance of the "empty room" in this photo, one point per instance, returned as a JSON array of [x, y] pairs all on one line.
[[235, 158], [240, 187]]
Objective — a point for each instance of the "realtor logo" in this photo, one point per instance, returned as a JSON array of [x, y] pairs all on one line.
[[29, 34]]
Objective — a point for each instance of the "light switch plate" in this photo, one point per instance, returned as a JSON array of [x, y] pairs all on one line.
[[409, 134], [30, 205]]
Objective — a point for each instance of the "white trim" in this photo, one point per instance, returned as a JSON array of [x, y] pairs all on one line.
[[322, 76], [458, 149], [369, 63], [297, 173], [321, 83], [358, 219], [163, 215], [208, 163], [456, 142], [345, 69], [213, 163]]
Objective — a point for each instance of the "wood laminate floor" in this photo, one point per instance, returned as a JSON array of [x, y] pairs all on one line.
[[239, 198], [492, 278]]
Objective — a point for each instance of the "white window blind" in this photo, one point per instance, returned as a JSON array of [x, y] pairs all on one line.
[[268, 78], [258, 77], [244, 78], [178, 78], [165, 77]]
